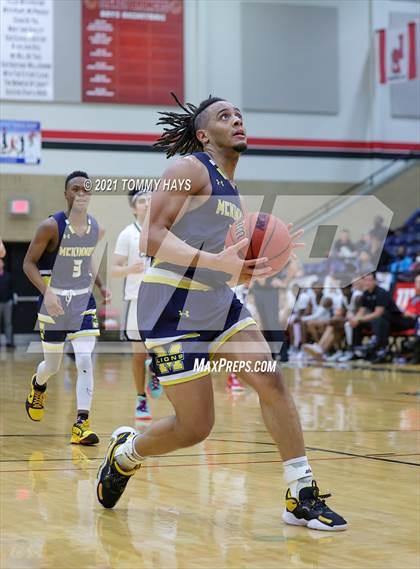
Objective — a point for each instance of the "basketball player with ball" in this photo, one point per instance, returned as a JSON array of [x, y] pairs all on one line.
[[187, 310]]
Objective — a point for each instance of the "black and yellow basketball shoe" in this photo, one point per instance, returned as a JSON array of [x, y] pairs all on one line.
[[112, 480], [35, 401], [310, 510], [82, 435]]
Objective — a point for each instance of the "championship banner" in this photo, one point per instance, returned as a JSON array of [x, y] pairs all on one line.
[[397, 54], [26, 51], [132, 51], [20, 142]]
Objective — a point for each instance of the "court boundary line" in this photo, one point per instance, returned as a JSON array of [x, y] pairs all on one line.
[[262, 431], [96, 458], [348, 456], [343, 453]]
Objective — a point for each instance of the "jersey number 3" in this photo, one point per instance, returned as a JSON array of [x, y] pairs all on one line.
[[77, 268]]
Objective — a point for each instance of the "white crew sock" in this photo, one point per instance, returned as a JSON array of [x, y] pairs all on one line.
[[297, 474], [126, 455]]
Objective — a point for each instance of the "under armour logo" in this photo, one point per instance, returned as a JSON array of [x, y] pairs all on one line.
[[186, 313], [220, 182]]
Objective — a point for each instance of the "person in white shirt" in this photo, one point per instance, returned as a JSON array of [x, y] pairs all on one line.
[[337, 327], [317, 321], [130, 264], [306, 302]]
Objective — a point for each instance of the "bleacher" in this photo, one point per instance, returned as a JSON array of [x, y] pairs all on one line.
[[407, 236]]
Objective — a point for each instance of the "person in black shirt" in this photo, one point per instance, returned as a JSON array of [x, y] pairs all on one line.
[[6, 304], [379, 312]]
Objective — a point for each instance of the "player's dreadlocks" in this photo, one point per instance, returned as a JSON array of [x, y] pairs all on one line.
[[179, 131]]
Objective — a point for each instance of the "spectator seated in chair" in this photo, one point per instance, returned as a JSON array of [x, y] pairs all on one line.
[[306, 302], [413, 311], [379, 313], [402, 263], [338, 327], [319, 319]]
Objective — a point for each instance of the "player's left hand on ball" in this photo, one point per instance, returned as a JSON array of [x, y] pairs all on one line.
[[295, 236]]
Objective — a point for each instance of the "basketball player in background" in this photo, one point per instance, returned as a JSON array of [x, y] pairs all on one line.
[[130, 264], [59, 263], [185, 301]]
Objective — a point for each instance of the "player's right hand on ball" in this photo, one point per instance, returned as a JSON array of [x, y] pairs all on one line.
[[53, 304]]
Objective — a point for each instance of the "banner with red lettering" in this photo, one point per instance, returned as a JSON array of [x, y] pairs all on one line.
[[132, 51]]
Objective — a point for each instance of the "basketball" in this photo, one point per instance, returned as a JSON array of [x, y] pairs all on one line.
[[268, 237]]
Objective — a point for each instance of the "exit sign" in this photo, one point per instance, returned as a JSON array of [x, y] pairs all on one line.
[[19, 207]]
